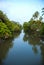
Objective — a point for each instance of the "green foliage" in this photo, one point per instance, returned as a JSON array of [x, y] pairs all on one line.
[[35, 24], [42, 29], [4, 31], [7, 27], [3, 17], [13, 26], [35, 15], [26, 26]]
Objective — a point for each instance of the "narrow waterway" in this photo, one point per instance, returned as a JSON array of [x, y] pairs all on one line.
[[22, 50]]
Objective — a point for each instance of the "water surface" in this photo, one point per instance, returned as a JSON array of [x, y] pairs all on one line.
[[23, 49]]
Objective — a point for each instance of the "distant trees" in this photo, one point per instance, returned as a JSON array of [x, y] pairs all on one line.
[[26, 26], [35, 23], [42, 11], [35, 15], [42, 28], [40, 18]]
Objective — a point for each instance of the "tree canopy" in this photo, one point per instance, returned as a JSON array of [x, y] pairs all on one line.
[[7, 27], [35, 24]]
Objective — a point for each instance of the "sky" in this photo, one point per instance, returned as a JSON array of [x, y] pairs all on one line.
[[21, 10]]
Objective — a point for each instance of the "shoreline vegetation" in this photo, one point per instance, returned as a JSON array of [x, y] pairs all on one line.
[[35, 25], [8, 28]]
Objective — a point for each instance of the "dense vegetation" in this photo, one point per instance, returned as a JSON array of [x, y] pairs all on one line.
[[36, 23], [7, 27]]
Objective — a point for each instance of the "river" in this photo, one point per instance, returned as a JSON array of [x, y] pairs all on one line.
[[23, 49]]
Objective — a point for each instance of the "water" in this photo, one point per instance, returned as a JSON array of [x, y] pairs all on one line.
[[23, 49]]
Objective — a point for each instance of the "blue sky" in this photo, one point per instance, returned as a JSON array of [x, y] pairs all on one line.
[[21, 10]]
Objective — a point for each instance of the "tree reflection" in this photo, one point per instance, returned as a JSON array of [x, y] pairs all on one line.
[[5, 45], [34, 40], [4, 48], [42, 53], [34, 48]]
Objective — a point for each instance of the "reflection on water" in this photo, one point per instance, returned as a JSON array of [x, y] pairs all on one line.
[[32, 39], [35, 41], [22, 49], [5, 45], [4, 48]]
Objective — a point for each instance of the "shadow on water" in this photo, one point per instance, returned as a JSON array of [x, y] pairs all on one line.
[[5, 45], [34, 40]]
